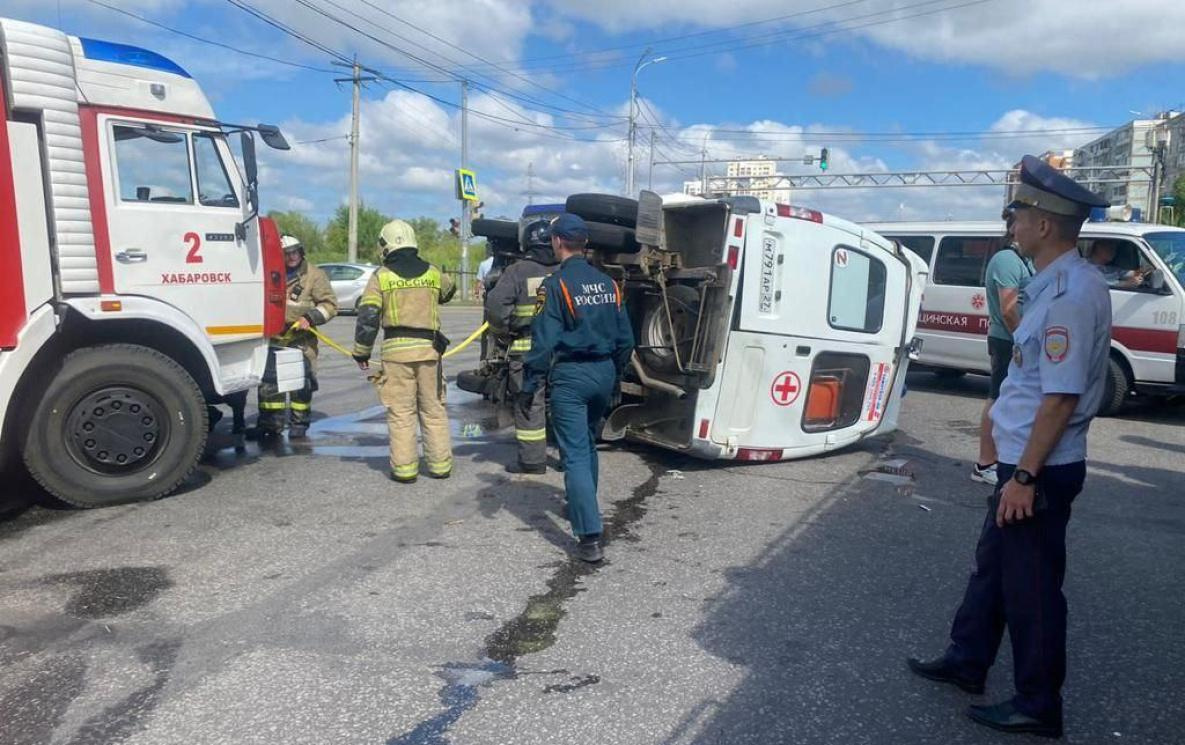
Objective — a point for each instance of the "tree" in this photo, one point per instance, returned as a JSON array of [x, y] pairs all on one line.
[[1179, 201], [370, 224], [302, 227]]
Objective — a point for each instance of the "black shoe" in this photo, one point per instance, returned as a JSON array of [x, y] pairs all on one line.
[[1005, 717], [941, 671], [440, 476], [588, 549], [409, 480], [298, 432], [536, 469]]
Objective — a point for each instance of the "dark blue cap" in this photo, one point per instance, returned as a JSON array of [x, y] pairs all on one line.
[[1045, 187], [569, 226]]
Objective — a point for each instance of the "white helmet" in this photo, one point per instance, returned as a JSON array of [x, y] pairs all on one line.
[[395, 235], [291, 243]]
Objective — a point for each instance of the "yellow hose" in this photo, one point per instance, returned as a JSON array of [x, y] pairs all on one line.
[[472, 337]]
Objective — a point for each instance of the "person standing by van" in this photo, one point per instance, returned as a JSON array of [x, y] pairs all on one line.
[[1006, 275], [1053, 390]]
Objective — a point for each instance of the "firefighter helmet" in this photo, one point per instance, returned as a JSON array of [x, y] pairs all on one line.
[[395, 235], [291, 243]]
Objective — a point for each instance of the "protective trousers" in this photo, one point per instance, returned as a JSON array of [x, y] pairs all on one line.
[[580, 395], [411, 391], [1017, 583], [275, 410], [530, 423]]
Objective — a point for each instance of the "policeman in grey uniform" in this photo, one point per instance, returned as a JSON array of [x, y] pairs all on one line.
[[1053, 389], [509, 309]]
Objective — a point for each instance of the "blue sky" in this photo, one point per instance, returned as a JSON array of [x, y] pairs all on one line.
[[1033, 74]]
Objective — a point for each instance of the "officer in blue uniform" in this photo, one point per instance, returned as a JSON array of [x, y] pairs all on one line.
[[581, 341], [1053, 389]]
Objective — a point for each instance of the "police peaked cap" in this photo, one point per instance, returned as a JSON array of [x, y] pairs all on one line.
[[1045, 187]]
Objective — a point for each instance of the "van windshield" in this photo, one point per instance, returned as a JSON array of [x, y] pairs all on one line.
[[1171, 248]]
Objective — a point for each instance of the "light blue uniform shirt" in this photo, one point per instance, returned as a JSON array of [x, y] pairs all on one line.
[[1061, 346]]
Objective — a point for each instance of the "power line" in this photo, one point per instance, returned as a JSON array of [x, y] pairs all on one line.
[[323, 139]]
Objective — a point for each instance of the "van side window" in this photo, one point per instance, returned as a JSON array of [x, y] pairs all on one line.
[[922, 245], [857, 300], [214, 189], [1117, 259], [962, 259], [153, 165]]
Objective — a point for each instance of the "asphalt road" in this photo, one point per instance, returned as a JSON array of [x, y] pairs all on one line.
[[298, 596]]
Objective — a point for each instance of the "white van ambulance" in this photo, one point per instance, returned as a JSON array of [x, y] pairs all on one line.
[[764, 331], [1148, 332]]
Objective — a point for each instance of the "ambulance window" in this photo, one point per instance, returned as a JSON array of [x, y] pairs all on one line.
[[857, 301], [214, 189], [153, 165], [922, 245], [961, 259]]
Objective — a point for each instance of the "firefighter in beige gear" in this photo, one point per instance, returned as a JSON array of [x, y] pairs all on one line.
[[311, 302], [403, 297], [509, 309]]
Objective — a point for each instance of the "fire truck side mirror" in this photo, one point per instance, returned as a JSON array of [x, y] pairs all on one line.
[[250, 165]]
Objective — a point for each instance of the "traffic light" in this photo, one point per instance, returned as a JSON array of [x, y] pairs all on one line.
[[823, 159], [454, 226], [475, 213]]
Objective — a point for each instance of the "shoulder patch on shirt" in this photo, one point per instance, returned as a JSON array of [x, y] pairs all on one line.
[[1057, 343], [540, 298], [1017, 356]]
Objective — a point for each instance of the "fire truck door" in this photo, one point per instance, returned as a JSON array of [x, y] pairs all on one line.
[[173, 202]]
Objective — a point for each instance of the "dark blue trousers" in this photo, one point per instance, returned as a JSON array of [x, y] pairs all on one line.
[[1017, 583], [580, 395]]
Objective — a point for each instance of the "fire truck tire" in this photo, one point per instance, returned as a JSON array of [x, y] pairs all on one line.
[[608, 208], [118, 423], [656, 348], [505, 230], [1115, 388]]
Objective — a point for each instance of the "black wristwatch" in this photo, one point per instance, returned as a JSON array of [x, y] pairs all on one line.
[[1023, 477]]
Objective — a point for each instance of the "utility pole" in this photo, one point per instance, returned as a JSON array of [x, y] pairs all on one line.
[[633, 133], [703, 167], [465, 207], [650, 175], [357, 79], [530, 183]]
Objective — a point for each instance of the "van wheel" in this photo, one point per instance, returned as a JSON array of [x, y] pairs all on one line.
[[1115, 389], [660, 336], [608, 208], [611, 238], [118, 423], [504, 230]]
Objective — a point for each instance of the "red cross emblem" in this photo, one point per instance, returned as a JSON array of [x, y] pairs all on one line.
[[785, 388]]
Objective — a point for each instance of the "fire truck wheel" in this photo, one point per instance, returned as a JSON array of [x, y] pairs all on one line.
[[118, 423], [1115, 388], [608, 208], [657, 348]]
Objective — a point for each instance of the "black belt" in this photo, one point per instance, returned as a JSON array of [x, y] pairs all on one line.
[[390, 332], [578, 357]]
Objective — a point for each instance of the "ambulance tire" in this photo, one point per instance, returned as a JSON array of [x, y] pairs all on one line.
[[122, 393], [1116, 388], [501, 230], [615, 239], [608, 208], [948, 373], [655, 343]]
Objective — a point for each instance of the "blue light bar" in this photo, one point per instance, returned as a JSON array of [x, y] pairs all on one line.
[[107, 51], [542, 209]]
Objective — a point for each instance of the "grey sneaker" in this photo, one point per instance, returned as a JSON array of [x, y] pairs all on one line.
[[588, 549], [985, 475]]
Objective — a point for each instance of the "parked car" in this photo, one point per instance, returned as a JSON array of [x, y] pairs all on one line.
[[348, 280]]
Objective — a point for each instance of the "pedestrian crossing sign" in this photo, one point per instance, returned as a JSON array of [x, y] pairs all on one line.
[[466, 185]]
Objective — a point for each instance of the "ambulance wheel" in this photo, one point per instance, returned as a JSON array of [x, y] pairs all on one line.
[[948, 373], [501, 230], [661, 336], [118, 423], [608, 208], [612, 238], [1115, 388]]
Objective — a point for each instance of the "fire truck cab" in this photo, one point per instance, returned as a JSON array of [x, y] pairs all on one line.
[[138, 279]]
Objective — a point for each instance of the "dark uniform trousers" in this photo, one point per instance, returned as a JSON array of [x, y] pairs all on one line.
[[276, 410], [1017, 583], [530, 422], [581, 392]]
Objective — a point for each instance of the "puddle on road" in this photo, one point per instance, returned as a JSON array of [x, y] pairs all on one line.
[[533, 630]]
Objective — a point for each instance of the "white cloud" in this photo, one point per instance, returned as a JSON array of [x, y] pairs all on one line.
[[1078, 38]]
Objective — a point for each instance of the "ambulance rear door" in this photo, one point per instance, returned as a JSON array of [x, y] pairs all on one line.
[[821, 321]]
